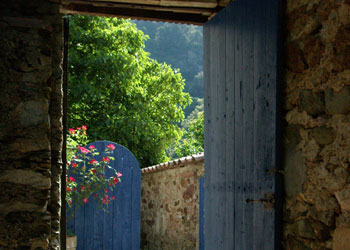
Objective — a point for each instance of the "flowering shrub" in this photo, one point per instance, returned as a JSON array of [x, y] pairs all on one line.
[[86, 176]]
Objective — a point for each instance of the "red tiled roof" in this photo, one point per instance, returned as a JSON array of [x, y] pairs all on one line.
[[174, 163]]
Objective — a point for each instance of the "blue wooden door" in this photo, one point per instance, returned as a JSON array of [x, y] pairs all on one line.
[[201, 213], [240, 79], [120, 228]]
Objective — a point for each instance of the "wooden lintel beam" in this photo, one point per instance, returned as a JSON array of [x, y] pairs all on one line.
[[201, 11], [210, 4], [142, 14], [174, 3]]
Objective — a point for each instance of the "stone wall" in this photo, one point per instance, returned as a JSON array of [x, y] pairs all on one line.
[[317, 124], [170, 206], [30, 124]]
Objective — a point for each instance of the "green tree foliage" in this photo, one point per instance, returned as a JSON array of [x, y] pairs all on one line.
[[179, 45], [119, 92], [193, 110], [192, 141]]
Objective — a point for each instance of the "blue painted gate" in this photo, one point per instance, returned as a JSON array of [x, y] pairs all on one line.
[[119, 229]]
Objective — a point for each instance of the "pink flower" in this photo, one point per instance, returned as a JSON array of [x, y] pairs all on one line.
[[106, 190], [91, 147], [115, 180], [82, 188], [71, 179], [93, 161], [78, 128], [75, 189], [83, 127], [119, 174], [104, 200], [74, 164], [113, 197], [86, 200], [70, 201], [95, 195], [83, 150], [72, 131], [111, 146], [105, 159]]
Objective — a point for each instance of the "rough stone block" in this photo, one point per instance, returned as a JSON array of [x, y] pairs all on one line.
[[313, 51], [295, 60], [26, 177], [341, 239], [295, 171], [293, 244], [303, 228], [323, 135], [342, 48], [17, 206], [343, 197], [338, 102], [312, 102], [33, 113]]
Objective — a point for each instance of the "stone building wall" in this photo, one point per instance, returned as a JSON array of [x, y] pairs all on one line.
[[317, 124], [30, 124], [170, 206]]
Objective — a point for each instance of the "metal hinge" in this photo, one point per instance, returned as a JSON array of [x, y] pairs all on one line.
[[274, 171], [268, 201]]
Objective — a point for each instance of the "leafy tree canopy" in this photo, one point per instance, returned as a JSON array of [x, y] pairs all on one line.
[[119, 92], [192, 141], [180, 46]]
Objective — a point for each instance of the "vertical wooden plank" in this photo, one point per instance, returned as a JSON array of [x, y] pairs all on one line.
[[201, 213], [260, 120], [117, 213], [230, 127], [265, 119], [216, 184], [248, 123], [108, 228], [114, 220], [98, 229], [238, 129], [128, 205], [271, 48], [135, 203], [79, 228], [89, 223], [97, 215], [212, 234], [124, 208], [220, 145], [208, 220], [119, 234]]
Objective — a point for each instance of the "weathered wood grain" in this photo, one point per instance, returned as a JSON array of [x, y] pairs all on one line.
[[240, 125], [178, 11]]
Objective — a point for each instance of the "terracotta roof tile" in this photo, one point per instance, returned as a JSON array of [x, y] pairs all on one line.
[[174, 163]]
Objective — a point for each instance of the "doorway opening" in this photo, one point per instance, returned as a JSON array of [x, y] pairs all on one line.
[[92, 94]]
